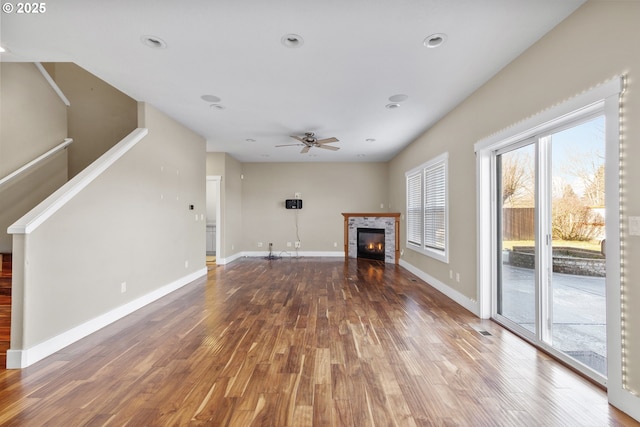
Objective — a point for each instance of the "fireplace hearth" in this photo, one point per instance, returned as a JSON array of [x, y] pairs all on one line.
[[371, 243]]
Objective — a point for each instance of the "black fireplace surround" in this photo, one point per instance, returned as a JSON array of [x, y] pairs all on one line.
[[371, 243]]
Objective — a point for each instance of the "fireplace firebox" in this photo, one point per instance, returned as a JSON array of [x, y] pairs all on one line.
[[371, 243]]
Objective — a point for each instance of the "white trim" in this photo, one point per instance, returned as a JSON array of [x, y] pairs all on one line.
[[576, 106], [291, 254], [456, 296], [282, 254], [60, 197], [53, 84], [17, 359], [64, 144]]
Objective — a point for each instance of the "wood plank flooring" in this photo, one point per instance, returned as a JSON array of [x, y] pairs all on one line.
[[5, 305], [302, 342]]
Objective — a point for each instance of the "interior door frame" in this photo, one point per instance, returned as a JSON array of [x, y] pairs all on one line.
[[216, 179]]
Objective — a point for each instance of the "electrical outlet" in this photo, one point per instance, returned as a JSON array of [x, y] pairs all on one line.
[[297, 195], [186, 264], [259, 244], [123, 287], [458, 277], [335, 244], [450, 274], [288, 244], [297, 244]]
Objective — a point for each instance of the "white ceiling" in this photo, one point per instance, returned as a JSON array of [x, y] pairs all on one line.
[[356, 55]]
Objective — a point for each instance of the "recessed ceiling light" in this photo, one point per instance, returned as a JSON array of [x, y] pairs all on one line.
[[435, 40], [292, 40], [250, 140], [210, 98], [370, 140], [217, 106], [398, 98], [153, 42], [392, 106]]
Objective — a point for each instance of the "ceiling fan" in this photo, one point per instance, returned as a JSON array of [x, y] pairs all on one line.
[[309, 141]]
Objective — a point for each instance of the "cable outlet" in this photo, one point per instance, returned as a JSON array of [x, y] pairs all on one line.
[[297, 244]]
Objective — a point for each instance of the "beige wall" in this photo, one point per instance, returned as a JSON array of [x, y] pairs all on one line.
[[33, 119], [327, 190], [599, 41], [132, 224], [99, 115]]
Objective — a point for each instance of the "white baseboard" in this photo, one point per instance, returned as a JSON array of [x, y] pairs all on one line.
[[294, 254], [459, 298], [282, 254], [17, 359], [227, 260]]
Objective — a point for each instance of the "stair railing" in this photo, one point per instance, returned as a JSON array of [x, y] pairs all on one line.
[[13, 175]]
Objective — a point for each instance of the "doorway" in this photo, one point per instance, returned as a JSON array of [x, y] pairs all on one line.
[[213, 223]]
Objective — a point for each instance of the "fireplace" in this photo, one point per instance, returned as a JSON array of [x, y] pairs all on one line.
[[371, 243], [389, 223]]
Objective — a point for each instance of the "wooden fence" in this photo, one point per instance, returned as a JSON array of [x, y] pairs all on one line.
[[518, 223]]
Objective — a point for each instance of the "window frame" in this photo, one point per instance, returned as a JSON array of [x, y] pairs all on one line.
[[441, 201]]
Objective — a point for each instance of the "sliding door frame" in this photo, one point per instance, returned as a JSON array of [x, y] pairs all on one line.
[[604, 98]]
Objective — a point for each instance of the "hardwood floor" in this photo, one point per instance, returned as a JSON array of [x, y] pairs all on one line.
[[5, 306], [302, 342]]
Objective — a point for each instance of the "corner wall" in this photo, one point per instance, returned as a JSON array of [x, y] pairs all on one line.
[[99, 115], [131, 230]]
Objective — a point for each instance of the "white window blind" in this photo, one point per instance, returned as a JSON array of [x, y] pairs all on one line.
[[434, 206], [427, 225], [414, 209]]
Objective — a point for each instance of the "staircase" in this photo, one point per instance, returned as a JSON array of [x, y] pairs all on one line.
[[5, 307]]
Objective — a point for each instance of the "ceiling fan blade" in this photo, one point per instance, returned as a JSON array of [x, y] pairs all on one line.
[[326, 141], [305, 150], [329, 147], [289, 145]]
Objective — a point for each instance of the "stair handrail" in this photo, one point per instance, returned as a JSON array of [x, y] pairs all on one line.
[[64, 194], [13, 175]]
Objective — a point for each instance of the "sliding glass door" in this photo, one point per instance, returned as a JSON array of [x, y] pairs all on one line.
[[516, 291], [551, 228]]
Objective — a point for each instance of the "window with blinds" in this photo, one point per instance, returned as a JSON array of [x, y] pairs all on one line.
[[427, 224]]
